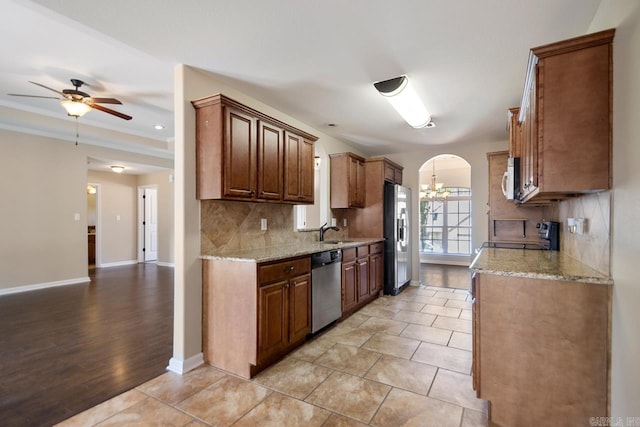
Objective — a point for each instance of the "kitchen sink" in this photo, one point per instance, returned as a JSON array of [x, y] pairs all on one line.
[[336, 242]]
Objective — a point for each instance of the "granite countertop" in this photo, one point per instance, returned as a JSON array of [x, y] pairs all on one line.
[[538, 264], [288, 251]]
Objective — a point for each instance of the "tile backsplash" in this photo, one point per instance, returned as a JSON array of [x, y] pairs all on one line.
[[231, 226], [593, 247]]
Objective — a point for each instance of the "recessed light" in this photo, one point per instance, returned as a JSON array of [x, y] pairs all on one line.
[[158, 127]]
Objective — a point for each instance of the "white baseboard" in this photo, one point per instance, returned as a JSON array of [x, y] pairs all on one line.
[[117, 264], [165, 264], [184, 366], [415, 283], [45, 285]]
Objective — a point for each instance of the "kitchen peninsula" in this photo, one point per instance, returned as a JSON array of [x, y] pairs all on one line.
[[541, 337], [257, 302]]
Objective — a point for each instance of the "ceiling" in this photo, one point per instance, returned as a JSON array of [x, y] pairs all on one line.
[[315, 61]]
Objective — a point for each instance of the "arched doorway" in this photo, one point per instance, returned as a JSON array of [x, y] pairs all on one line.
[[445, 211]]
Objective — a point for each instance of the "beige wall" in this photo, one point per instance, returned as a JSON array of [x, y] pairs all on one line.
[[192, 84], [625, 248], [476, 155], [43, 185], [117, 231], [165, 213]]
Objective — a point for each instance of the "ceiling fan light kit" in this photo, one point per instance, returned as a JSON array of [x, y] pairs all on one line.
[[401, 95], [75, 108], [77, 103]]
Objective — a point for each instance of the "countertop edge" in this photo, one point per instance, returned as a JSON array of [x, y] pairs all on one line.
[[483, 264], [534, 275], [288, 251]]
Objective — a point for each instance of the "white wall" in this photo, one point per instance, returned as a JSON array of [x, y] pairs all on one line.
[[624, 15]]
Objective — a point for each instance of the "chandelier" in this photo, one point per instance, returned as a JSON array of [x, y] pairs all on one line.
[[435, 189]]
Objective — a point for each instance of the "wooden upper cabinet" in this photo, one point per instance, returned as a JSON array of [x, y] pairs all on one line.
[[347, 180], [507, 221], [565, 116], [242, 154], [270, 161], [239, 154], [392, 171], [298, 169]]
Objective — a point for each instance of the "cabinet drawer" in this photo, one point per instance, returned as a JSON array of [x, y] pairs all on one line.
[[376, 248], [362, 251], [283, 270], [348, 254]]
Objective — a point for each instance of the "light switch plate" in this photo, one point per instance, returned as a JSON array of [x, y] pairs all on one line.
[[333, 222], [263, 224], [76, 216]]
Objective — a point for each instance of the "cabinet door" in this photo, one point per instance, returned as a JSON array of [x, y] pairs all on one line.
[[298, 169], [356, 183], [376, 273], [349, 290], [270, 160], [273, 319], [299, 307], [239, 154], [362, 277]]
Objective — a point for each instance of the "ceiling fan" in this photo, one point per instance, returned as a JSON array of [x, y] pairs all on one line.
[[78, 103]]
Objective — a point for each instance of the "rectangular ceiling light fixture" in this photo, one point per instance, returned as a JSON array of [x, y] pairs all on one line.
[[400, 94]]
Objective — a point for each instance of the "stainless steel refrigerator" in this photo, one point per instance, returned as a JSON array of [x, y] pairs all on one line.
[[397, 243]]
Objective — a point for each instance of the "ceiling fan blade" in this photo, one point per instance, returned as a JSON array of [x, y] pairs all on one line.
[[47, 87], [104, 100], [110, 111], [33, 96]]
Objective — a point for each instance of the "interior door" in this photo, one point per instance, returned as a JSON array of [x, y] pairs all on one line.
[[150, 198]]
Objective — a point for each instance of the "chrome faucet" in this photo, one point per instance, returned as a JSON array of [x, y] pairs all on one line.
[[324, 229]]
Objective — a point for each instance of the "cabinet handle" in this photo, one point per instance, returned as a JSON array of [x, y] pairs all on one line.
[[300, 197], [286, 286], [289, 269], [252, 192]]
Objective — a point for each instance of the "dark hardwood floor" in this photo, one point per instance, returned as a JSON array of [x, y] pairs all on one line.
[[66, 349], [445, 276]]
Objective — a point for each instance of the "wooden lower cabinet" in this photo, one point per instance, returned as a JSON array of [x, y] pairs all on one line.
[[362, 272], [376, 268], [253, 314], [349, 285], [362, 276], [541, 349]]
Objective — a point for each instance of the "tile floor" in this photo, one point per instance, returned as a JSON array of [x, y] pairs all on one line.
[[399, 361]]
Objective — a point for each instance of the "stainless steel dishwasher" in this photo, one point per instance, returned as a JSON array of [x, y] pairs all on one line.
[[326, 288]]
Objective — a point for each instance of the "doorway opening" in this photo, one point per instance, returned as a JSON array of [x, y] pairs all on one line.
[[148, 223], [93, 226], [445, 211]]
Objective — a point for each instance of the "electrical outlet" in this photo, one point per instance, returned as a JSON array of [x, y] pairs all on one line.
[[333, 222], [344, 222], [263, 224]]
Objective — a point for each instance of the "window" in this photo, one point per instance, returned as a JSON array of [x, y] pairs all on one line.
[[445, 224]]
